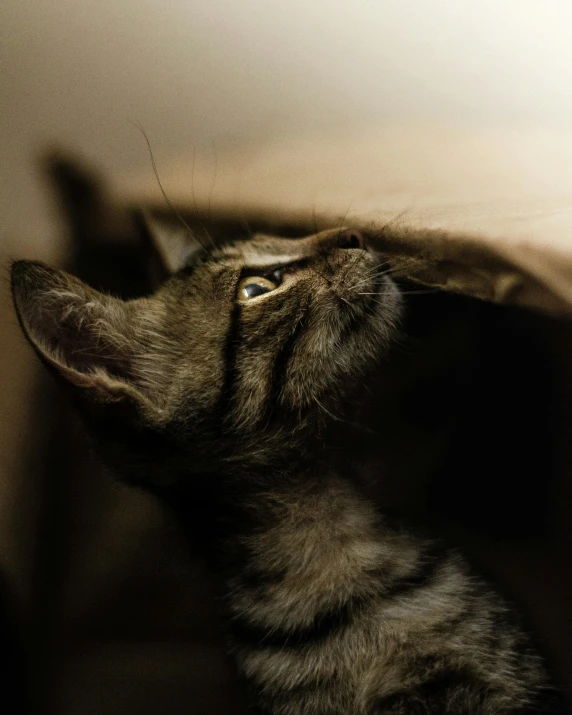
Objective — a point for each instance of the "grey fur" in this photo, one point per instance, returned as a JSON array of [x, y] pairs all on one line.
[[228, 409]]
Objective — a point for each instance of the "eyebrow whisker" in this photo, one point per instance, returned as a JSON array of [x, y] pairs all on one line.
[[167, 200]]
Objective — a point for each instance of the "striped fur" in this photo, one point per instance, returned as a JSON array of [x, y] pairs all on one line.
[[333, 611], [228, 409]]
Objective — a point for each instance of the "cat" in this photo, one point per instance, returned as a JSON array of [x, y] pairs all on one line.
[[223, 394]]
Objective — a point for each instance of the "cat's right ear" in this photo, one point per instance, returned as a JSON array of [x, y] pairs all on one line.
[[108, 350], [172, 246]]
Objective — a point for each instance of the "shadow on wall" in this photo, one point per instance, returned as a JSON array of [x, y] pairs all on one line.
[[115, 617]]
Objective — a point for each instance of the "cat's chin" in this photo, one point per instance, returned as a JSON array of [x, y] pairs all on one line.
[[363, 286], [375, 310]]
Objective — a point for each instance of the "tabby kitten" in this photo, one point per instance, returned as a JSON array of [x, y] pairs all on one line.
[[221, 394]]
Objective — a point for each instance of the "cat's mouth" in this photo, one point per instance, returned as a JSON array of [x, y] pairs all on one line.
[[359, 278]]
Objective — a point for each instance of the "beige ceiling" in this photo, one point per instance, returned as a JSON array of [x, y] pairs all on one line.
[[207, 73]]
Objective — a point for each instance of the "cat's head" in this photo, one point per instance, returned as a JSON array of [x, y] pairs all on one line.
[[241, 355]]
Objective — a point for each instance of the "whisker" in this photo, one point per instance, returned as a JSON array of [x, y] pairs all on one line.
[[334, 417], [423, 291], [371, 277], [388, 224], [375, 275], [193, 195], [215, 171], [342, 225], [353, 266], [366, 280], [167, 201], [194, 199], [395, 218], [394, 269], [324, 255]]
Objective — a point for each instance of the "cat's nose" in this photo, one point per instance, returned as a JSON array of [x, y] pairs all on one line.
[[351, 238]]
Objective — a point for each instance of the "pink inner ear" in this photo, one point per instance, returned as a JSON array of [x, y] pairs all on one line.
[[81, 335], [92, 340], [72, 326], [81, 342]]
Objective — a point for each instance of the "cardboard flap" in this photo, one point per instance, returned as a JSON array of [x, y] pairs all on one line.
[[485, 212]]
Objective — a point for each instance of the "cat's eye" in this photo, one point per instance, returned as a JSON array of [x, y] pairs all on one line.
[[253, 286]]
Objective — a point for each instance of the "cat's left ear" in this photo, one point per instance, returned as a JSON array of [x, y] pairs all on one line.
[[171, 244], [98, 344]]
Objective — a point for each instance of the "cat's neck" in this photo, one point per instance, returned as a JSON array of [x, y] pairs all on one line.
[[217, 507], [228, 517]]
